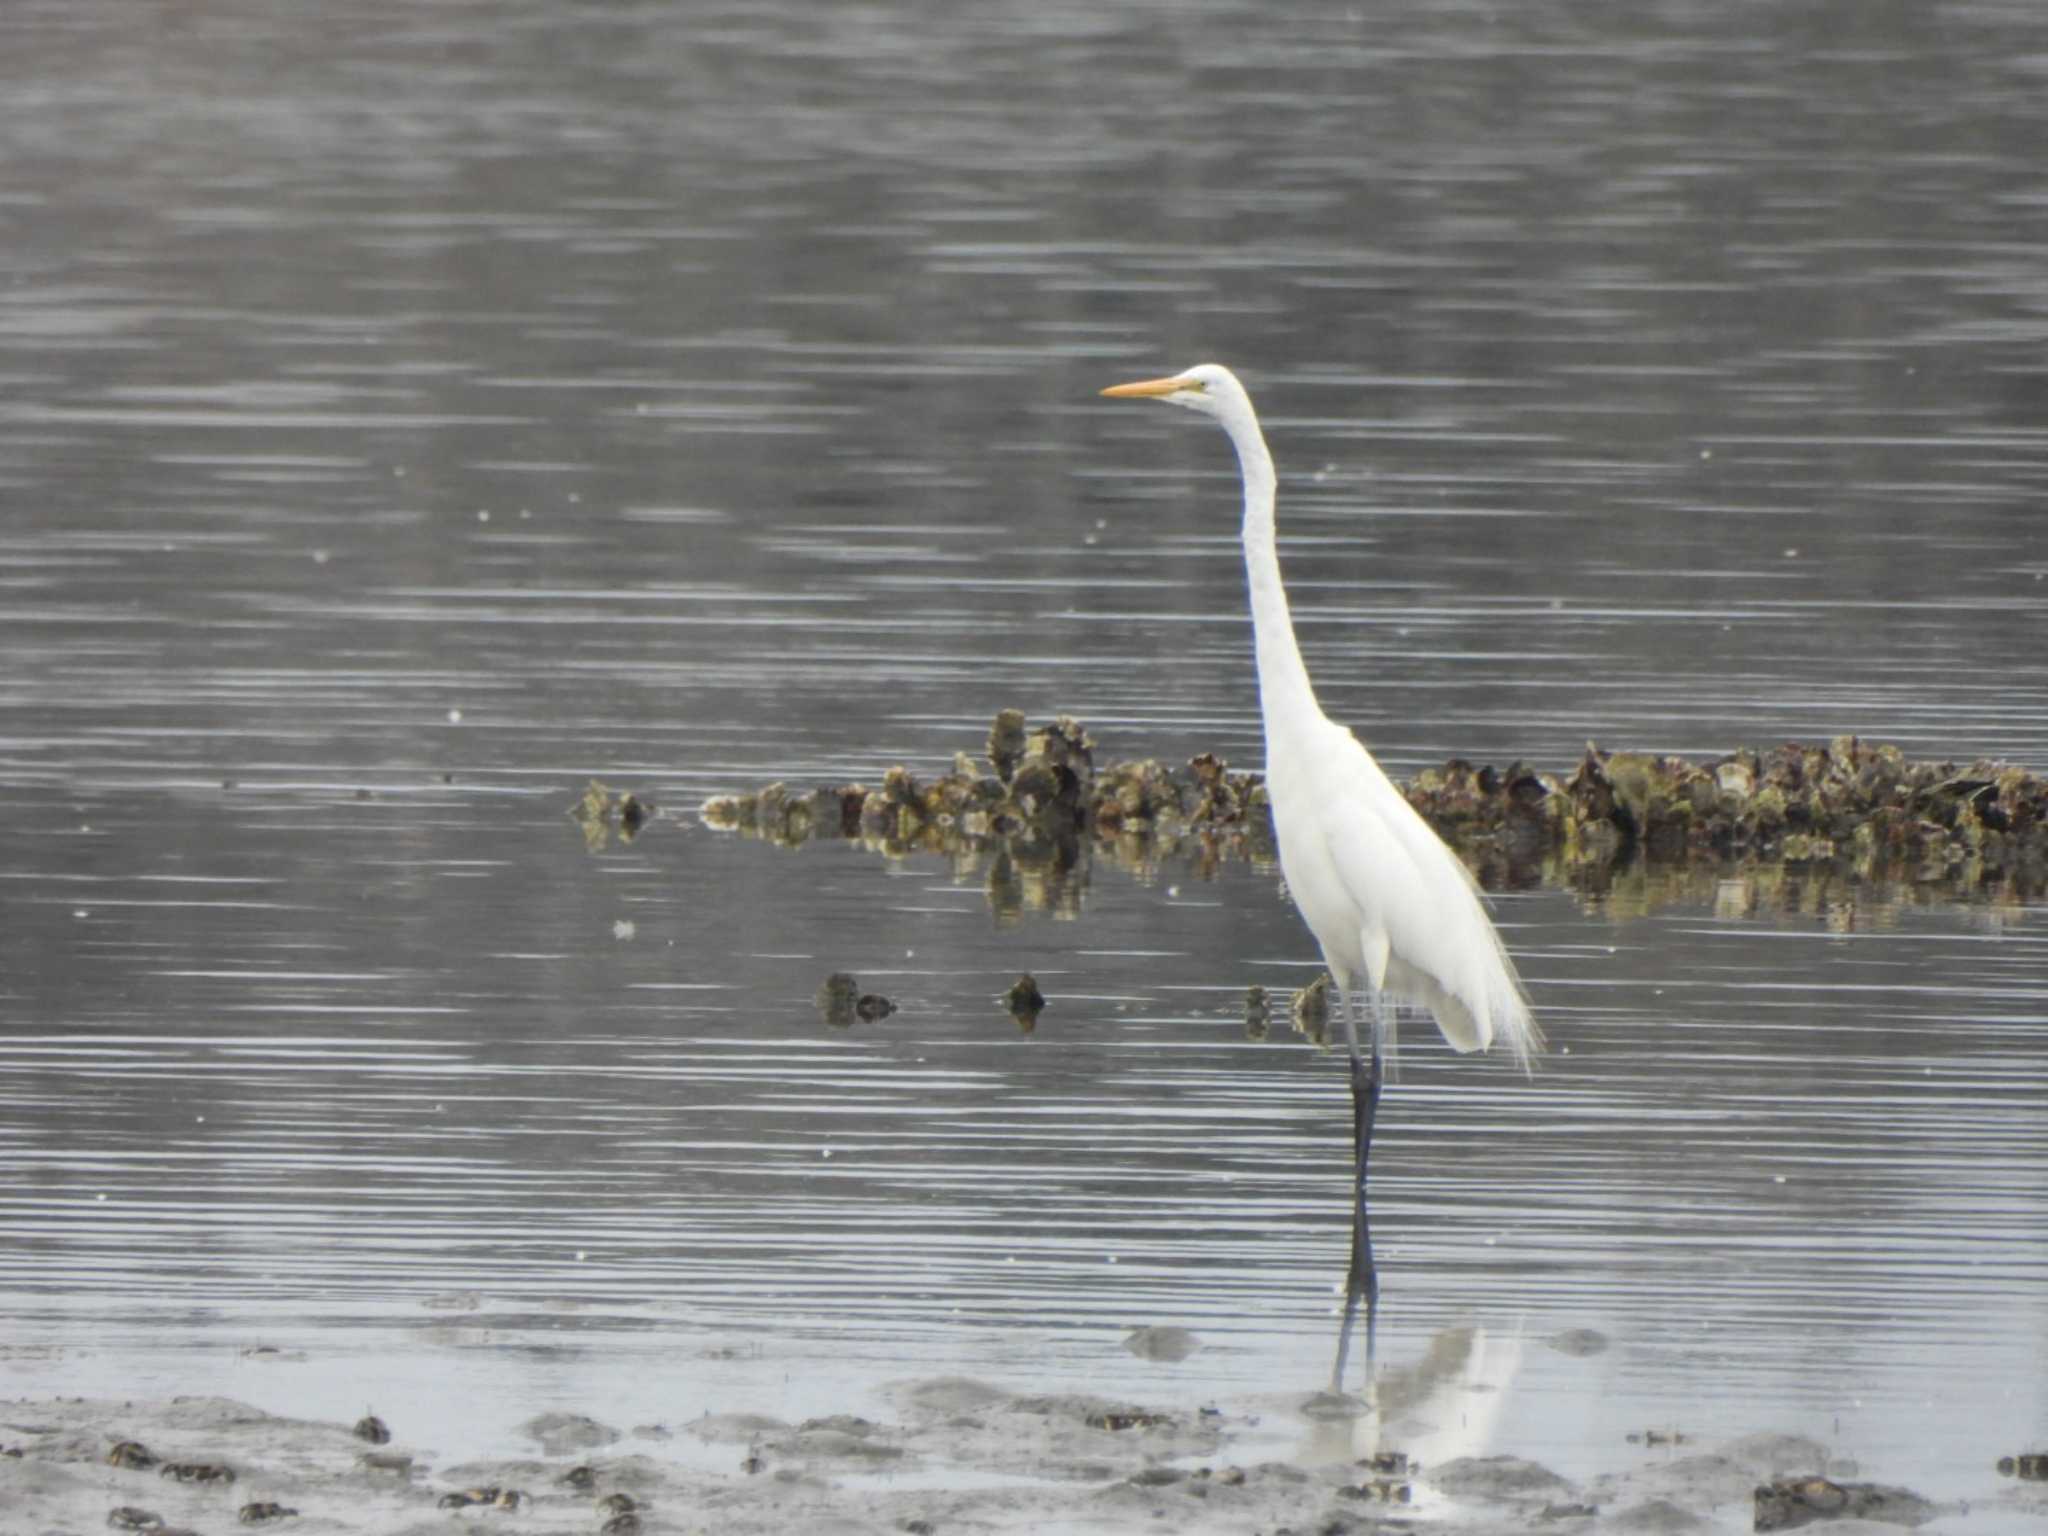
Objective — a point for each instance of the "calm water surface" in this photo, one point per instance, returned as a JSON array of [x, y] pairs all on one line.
[[407, 415]]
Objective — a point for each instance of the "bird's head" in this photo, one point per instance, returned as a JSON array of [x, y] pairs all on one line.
[[1209, 388]]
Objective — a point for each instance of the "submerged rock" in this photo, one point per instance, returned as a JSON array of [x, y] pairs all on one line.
[[1312, 1010], [1578, 1341], [1495, 1477], [560, 1433], [603, 814], [841, 1003], [1787, 1504], [836, 998], [1258, 1013], [1161, 1343]]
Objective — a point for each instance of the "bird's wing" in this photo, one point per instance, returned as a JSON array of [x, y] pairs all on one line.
[[1443, 951]]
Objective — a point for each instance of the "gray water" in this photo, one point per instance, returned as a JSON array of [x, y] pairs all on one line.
[[408, 414]]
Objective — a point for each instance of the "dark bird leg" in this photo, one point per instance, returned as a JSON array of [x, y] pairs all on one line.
[[1362, 1280], [1365, 1103]]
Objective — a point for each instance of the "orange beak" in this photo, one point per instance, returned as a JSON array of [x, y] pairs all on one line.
[[1146, 389]]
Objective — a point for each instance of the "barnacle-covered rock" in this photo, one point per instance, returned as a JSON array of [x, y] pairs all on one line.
[[1006, 743], [1049, 808]]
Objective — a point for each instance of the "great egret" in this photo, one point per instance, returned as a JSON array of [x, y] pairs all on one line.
[[1394, 910]]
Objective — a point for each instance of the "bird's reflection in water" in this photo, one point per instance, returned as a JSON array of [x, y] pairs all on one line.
[[1409, 1417], [1361, 1285]]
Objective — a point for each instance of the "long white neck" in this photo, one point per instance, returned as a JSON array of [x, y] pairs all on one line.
[[1285, 694]]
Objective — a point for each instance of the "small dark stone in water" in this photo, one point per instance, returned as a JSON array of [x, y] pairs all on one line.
[[872, 1006], [838, 999], [595, 812], [1231, 1477], [617, 1504], [1578, 1341], [1024, 1001], [916, 1527], [1312, 1009], [1258, 1013], [625, 1523], [582, 1478], [128, 1518], [1568, 1512], [263, 1512], [373, 1429]]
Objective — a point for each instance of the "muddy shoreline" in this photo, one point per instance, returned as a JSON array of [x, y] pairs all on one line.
[[955, 1456]]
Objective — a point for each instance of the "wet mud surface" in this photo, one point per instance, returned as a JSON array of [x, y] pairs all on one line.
[[956, 1455]]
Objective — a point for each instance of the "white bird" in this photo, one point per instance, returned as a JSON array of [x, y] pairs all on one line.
[[1395, 912]]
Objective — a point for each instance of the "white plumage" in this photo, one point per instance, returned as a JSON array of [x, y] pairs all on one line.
[[1395, 912]]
